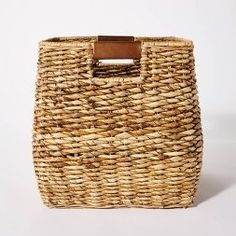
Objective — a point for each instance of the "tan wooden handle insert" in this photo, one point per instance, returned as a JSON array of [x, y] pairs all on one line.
[[117, 47]]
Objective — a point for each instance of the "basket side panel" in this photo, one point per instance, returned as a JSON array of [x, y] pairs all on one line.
[[117, 142]]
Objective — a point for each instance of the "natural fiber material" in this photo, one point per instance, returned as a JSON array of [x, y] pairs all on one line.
[[117, 135]]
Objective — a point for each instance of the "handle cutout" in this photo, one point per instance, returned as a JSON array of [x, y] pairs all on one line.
[[116, 61]]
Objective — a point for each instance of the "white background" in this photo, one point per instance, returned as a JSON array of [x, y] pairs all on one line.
[[212, 27]]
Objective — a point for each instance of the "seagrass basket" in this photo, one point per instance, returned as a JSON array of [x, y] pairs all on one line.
[[117, 135]]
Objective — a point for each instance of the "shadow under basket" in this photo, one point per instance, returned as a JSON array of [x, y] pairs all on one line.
[[117, 135]]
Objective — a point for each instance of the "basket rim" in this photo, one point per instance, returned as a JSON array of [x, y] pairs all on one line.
[[71, 41]]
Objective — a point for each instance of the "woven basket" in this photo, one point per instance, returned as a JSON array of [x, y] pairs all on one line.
[[117, 135]]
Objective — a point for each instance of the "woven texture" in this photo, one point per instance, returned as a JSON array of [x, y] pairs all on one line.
[[117, 135]]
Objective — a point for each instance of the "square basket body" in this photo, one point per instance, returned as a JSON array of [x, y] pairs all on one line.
[[117, 135]]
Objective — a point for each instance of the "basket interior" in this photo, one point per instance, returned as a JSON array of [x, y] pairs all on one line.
[[84, 39]]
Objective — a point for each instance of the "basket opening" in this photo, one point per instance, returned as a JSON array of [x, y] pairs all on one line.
[[88, 39]]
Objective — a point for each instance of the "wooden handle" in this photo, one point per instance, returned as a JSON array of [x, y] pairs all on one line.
[[117, 47]]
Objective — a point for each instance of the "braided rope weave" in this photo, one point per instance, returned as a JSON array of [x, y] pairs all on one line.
[[117, 135]]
